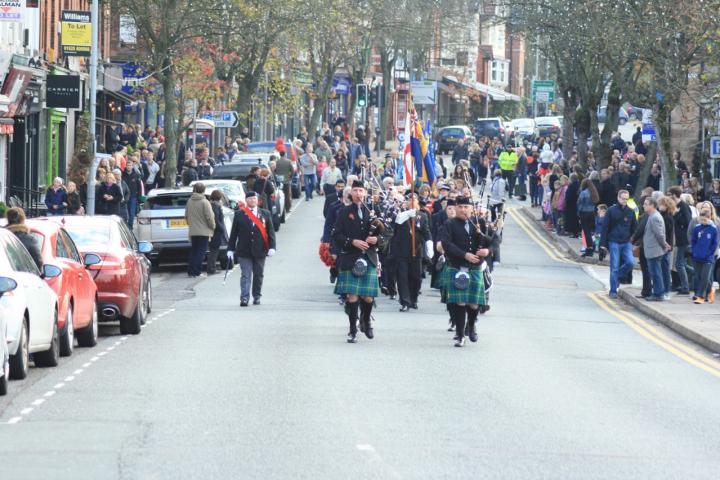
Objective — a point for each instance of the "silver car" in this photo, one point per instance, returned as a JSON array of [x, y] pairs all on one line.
[[162, 222]]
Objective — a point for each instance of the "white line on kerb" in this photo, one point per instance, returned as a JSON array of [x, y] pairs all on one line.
[[86, 365], [14, 420], [78, 371], [49, 393], [101, 354], [25, 411], [70, 378], [365, 448], [38, 401], [59, 385]]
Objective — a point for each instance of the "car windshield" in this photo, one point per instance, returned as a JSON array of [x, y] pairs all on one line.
[[486, 124], [167, 202], [546, 121], [451, 132], [87, 235]]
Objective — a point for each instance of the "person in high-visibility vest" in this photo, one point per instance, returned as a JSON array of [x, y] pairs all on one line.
[[508, 160]]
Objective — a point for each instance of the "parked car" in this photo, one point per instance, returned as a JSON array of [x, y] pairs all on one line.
[[258, 153], [75, 288], [548, 127], [622, 116], [162, 223], [31, 311], [124, 288], [491, 128], [523, 130], [7, 285], [277, 200], [447, 137], [234, 190]]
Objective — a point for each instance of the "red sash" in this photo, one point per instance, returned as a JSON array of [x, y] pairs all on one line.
[[258, 224]]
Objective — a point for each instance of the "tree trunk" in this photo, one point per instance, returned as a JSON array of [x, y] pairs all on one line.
[[603, 151], [582, 127], [243, 104], [661, 112], [385, 121], [645, 171], [571, 104], [171, 140]]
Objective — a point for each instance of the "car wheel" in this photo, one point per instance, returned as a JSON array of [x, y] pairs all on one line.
[[4, 379], [87, 337], [67, 339], [132, 325], [148, 295], [49, 358], [19, 361]]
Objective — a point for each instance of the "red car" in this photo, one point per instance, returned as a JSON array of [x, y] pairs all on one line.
[[123, 274], [75, 288]]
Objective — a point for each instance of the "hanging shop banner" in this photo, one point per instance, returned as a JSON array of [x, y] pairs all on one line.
[[12, 10], [63, 91], [76, 33]]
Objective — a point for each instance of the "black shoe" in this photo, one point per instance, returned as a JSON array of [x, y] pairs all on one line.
[[256, 301], [451, 328], [384, 290], [393, 296], [683, 292], [655, 299], [244, 303], [413, 306], [460, 342], [404, 308], [352, 337], [369, 331], [473, 335], [332, 278]]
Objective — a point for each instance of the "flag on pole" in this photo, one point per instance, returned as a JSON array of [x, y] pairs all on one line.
[[430, 158], [407, 159]]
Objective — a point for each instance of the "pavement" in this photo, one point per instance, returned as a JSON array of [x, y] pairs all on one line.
[[698, 323], [563, 384]]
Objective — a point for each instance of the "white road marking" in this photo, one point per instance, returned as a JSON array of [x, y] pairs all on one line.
[[59, 386], [365, 448], [49, 393], [25, 411], [117, 343], [86, 365], [38, 401], [70, 378], [78, 371], [123, 338], [110, 349], [14, 420], [101, 354]]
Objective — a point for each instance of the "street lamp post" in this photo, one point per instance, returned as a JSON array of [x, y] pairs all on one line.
[[93, 107]]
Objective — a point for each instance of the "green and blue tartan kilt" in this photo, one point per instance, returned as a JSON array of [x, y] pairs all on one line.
[[474, 294], [365, 286]]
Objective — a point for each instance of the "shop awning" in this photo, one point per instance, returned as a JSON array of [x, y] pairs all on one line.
[[12, 94], [119, 95], [496, 94]]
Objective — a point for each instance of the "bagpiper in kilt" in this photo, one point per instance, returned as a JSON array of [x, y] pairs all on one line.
[[465, 248], [355, 236]]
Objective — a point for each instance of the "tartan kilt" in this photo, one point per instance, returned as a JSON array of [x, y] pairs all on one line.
[[474, 294], [366, 286]]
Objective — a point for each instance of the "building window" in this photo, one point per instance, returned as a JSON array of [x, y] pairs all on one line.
[[499, 72]]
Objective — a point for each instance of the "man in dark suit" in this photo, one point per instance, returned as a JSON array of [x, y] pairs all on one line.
[[409, 259], [334, 197], [252, 239], [356, 238]]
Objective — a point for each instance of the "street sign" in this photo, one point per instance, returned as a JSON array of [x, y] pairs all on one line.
[[714, 147], [543, 90], [227, 119], [424, 92]]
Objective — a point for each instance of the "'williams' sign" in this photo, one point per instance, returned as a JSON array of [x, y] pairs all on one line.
[[63, 91]]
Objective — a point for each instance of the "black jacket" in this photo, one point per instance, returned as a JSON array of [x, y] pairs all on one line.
[[401, 243], [460, 153], [330, 200], [619, 225], [669, 228], [608, 193], [456, 242], [133, 182], [681, 220], [220, 235], [112, 206], [245, 239], [350, 227]]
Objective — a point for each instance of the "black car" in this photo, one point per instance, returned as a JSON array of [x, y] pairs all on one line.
[[490, 127], [447, 138]]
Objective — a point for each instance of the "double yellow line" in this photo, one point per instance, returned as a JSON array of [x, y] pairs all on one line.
[[657, 336], [550, 249]]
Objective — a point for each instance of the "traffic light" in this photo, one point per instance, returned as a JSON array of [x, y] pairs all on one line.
[[361, 95], [379, 96], [373, 97]]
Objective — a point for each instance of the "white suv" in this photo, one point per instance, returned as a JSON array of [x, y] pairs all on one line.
[[162, 222]]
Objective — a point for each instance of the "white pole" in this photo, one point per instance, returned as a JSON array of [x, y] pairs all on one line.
[[93, 107]]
